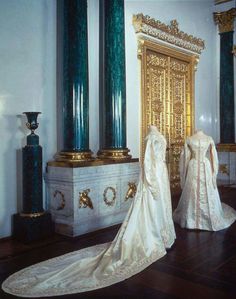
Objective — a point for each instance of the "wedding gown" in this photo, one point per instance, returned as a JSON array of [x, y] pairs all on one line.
[[200, 206], [142, 239]]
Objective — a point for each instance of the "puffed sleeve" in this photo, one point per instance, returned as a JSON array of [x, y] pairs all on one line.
[[183, 163], [150, 173], [214, 162]]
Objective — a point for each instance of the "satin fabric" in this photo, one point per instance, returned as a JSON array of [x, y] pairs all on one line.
[[142, 239], [200, 206]]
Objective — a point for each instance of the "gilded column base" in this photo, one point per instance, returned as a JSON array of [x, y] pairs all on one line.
[[32, 215], [74, 157], [114, 154]]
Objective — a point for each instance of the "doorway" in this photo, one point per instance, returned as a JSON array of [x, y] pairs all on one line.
[[167, 99]]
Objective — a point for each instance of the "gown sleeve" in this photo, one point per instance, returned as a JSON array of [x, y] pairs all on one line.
[[183, 163], [214, 162], [150, 173]]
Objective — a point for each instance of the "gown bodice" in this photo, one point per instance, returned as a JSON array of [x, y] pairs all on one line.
[[198, 148]]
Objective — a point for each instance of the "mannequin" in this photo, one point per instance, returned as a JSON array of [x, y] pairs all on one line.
[[142, 239], [199, 206]]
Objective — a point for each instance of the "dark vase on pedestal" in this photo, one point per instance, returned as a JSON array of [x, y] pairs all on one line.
[[33, 223]]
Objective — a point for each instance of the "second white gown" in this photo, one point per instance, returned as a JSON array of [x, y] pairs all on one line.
[[142, 239], [199, 206]]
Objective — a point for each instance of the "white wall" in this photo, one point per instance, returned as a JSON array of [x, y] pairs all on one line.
[[28, 79], [93, 50], [27, 83]]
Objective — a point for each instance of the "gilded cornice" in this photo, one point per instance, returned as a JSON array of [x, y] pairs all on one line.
[[168, 33], [225, 20]]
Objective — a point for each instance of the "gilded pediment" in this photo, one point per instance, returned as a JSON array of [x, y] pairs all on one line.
[[168, 33]]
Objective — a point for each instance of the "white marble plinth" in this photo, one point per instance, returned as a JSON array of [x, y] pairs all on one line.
[[105, 185], [227, 168]]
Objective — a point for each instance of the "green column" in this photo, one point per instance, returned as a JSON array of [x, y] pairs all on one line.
[[225, 21], [227, 116], [75, 110], [112, 81]]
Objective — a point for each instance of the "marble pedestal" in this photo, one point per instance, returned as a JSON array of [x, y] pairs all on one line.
[[227, 165], [85, 199]]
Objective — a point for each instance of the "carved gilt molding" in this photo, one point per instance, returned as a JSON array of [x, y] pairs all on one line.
[[168, 33], [225, 20]]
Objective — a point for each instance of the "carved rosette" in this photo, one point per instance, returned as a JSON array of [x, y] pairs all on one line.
[[168, 33], [225, 20]]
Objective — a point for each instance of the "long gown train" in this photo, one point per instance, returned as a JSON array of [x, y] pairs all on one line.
[[142, 239]]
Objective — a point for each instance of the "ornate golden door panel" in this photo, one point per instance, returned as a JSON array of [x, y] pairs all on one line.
[[167, 98]]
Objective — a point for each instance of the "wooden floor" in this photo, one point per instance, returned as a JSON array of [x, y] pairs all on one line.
[[200, 265]]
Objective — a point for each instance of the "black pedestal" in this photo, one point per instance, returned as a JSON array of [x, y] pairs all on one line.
[[27, 229]]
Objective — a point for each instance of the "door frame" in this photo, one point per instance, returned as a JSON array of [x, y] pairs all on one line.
[[144, 45]]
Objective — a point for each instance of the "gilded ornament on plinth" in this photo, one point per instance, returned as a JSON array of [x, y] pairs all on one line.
[[84, 200], [109, 201], [61, 196], [131, 192]]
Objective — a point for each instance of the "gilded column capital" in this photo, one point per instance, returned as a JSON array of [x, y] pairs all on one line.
[[225, 20]]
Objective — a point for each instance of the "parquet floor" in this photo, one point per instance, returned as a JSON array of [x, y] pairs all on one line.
[[201, 265]]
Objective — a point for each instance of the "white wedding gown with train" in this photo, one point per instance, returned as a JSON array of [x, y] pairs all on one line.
[[200, 206], [142, 239]]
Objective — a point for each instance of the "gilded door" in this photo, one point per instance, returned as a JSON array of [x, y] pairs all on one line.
[[167, 99]]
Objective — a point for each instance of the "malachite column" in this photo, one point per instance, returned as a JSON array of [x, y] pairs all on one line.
[[225, 20], [227, 116], [112, 81], [75, 112]]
